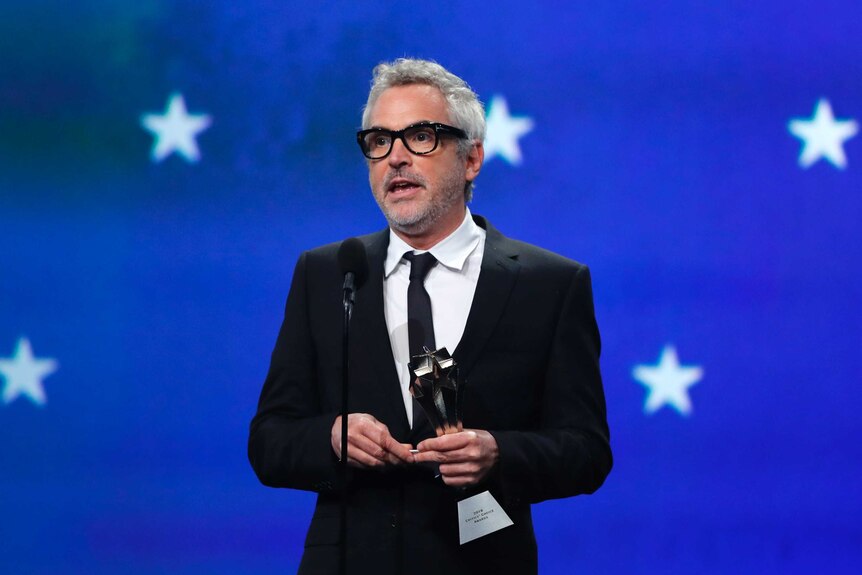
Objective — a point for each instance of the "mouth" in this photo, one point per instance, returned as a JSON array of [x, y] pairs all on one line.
[[402, 186]]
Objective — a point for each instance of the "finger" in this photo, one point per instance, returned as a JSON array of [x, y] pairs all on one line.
[[373, 438], [391, 450], [399, 450], [448, 442], [363, 444], [473, 470], [362, 459], [430, 457], [395, 460], [400, 458], [360, 417], [357, 423], [373, 430], [366, 425], [357, 458], [471, 453]]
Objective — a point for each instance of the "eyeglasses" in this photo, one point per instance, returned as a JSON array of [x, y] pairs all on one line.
[[421, 138]]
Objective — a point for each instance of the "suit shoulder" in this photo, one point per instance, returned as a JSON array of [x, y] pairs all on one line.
[[329, 252], [528, 255], [532, 256]]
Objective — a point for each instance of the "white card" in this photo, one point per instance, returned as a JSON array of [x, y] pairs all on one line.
[[480, 515]]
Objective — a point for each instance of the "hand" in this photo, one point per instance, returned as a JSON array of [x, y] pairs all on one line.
[[465, 457], [369, 443]]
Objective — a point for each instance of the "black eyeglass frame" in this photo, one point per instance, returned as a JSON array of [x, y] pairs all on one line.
[[399, 134]]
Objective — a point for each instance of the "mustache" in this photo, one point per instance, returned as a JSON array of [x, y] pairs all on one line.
[[405, 175]]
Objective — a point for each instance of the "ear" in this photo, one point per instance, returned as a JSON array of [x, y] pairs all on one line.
[[475, 157]]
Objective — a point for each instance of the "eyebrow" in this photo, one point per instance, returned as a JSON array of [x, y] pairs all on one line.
[[405, 127]]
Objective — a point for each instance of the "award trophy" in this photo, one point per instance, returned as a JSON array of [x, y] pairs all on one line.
[[434, 384]]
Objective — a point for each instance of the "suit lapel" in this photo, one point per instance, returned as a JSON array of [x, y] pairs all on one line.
[[496, 279], [370, 338]]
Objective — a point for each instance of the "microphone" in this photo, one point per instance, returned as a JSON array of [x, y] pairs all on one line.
[[353, 262]]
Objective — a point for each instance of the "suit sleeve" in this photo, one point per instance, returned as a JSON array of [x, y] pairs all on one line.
[[569, 451], [289, 439]]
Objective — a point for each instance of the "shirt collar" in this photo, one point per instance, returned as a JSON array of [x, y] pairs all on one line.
[[452, 251]]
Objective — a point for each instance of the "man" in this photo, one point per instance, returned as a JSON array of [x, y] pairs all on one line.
[[518, 319]]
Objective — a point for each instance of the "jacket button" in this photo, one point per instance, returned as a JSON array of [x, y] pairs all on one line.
[[394, 520]]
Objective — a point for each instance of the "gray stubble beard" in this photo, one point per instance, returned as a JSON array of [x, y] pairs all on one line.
[[424, 221]]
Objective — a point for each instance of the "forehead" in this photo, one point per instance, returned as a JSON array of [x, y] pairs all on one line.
[[401, 106]]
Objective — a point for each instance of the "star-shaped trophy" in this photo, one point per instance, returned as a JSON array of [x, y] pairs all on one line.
[[434, 384]]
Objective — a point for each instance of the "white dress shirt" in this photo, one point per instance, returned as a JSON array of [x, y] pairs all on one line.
[[450, 284]]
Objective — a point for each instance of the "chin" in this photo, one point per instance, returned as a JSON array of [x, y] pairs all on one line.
[[407, 213], [409, 221]]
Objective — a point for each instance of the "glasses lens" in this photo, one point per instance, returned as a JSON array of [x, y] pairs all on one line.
[[376, 144], [421, 139]]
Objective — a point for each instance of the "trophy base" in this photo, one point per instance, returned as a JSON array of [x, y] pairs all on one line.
[[480, 515]]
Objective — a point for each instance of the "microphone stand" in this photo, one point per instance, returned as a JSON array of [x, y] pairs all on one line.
[[348, 309]]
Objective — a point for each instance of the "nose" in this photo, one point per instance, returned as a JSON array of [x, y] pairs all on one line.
[[400, 155]]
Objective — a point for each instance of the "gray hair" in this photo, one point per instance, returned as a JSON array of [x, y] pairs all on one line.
[[465, 109]]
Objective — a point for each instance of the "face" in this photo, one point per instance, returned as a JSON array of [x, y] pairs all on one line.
[[421, 196]]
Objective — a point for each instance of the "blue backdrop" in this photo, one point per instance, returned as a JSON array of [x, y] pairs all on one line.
[[162, 165]]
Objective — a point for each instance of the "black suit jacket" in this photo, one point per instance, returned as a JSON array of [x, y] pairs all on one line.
[[529, 359]]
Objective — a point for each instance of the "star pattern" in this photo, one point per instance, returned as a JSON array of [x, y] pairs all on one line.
[[23, 374], [503, 132], [668, 382], [823, 136], [175, 130]]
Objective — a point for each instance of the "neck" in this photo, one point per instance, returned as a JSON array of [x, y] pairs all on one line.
[[427, 239]]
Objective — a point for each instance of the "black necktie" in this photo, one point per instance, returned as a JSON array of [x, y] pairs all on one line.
[[420, 326]]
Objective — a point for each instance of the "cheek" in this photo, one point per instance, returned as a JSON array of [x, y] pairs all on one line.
[[376, 175]]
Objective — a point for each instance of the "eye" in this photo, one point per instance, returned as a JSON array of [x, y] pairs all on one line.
[[378, 140], [423, 135]]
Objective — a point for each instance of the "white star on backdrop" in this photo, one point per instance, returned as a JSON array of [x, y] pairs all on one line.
[[823, 136], [503, 131], [24, 374], [175, 131], [668, 382]]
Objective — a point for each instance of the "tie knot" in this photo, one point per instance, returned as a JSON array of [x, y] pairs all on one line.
[[420, 264]]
